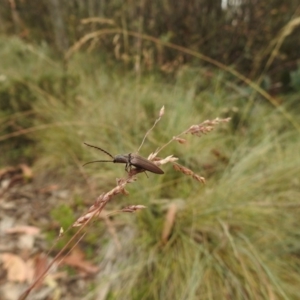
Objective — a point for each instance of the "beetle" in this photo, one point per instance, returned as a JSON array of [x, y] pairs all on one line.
[[129, 160]]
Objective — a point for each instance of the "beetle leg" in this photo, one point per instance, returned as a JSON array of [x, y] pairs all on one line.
[[127, 166]]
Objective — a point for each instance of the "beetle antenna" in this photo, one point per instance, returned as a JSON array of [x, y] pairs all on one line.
[[100, 150], [90, 162]]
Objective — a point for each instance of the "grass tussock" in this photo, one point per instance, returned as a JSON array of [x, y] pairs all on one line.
[[235, 237]]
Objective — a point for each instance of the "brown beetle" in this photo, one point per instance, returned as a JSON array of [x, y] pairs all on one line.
[[129, 160]]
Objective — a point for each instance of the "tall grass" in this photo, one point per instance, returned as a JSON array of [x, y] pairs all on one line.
[[235, 238]]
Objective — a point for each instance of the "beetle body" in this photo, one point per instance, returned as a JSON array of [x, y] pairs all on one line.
[[139, 162], [130, 160]]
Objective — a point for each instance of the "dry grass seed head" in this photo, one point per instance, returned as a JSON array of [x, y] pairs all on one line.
[[179, 140], [188, 172], [102, 200], [132, 208], [206, 126]]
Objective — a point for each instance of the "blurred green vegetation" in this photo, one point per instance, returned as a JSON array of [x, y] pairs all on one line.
[[254, 36], [236, 237]]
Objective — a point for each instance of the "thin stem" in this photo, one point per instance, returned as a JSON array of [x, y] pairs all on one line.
[[170, 141], [156, 121]]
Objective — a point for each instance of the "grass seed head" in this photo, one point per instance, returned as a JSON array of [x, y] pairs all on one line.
[[132, 208], [188, 172], [206, 126], [179, 140]]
